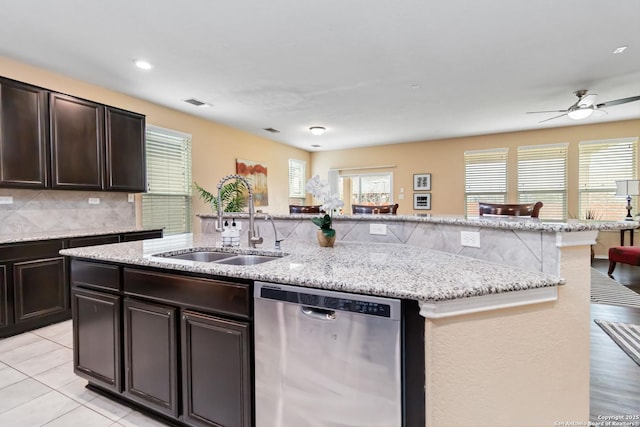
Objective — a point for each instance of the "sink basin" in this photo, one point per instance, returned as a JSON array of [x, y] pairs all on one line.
[[247, 259], [203, 256]]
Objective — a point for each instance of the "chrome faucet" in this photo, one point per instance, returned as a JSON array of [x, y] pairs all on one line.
[[275, 232], [254, 238]]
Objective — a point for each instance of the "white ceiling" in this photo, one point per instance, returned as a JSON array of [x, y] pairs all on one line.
[[348, 65]]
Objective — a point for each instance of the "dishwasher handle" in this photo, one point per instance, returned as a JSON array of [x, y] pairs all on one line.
[[318, 313]]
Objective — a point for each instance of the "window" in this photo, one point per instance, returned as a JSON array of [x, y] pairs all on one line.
[[542, 175], [601, 163], [366, 189], [167, 203], [485, 178], [297, 174]]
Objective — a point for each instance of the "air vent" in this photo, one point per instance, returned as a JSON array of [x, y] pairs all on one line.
[[272, 130], [195, 102]]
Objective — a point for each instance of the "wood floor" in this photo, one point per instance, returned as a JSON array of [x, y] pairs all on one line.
[[615, 378]]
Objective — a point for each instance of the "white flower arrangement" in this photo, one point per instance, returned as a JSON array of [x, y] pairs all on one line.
[[330, 202]]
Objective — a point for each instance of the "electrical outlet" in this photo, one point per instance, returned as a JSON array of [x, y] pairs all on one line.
[[470, 239], [380, 229], [6, 200], [94, 200], [131, 198]]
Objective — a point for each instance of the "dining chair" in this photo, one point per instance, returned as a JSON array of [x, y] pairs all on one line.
[[524, 209], [374, 209], [302, 209]]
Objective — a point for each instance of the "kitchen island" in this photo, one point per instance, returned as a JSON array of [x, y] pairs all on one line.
[[503, 345]]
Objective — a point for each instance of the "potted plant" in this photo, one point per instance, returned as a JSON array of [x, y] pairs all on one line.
[[231, 194], [330, 202]]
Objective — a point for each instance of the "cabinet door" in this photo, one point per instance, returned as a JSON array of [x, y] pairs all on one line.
[[23, 135], [150, 350], [96, 338], [77, 143], [216, 371], [4, 308], [40, 288], [125, 155]]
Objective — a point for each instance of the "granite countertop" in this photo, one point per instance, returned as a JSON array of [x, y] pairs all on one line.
[[393, 270], [66, 234], [509, 223]]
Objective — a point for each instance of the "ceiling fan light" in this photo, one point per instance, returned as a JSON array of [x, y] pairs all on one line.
[[580, 113], [317, 130]]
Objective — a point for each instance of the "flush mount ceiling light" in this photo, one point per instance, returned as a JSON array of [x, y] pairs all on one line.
[[317, 130], [619, 50], [142, 64]]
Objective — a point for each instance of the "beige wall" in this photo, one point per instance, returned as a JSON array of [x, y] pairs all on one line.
[[215, 147], [444, 159], [524, 366]]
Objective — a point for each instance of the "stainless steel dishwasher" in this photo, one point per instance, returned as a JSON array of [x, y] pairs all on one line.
[[326, 359]]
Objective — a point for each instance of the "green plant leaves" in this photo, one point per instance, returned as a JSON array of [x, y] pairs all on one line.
[[232, 195]]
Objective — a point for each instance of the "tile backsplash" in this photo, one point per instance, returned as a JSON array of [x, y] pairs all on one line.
[[53, 210]]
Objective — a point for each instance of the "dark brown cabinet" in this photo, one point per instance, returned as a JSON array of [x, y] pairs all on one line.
[[77, 141], [124, 151], [216, 380], [186, 341], [96, 336], [4, 308], [23, 135], [40, 289], [151, 355], [53, 140], [34, 286]]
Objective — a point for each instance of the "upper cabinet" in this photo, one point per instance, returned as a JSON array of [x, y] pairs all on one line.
[[51, 140], [125, 158], [77, 143], [23, 135]]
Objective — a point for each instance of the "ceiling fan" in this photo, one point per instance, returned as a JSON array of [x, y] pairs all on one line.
[[584, 106]]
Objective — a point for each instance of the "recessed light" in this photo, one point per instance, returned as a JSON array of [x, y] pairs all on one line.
[[317, 130], [620, 49], [144, 65]]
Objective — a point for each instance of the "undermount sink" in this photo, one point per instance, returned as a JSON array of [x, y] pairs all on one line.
[[203, 256], [247, 259], [221, 257]]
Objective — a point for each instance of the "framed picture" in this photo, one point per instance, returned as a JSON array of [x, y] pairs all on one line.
[[421, 182], [422, 201]]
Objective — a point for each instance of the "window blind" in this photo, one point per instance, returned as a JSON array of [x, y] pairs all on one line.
[[542, 175], [297, 175], [485, 178], [601, 164], [167, 203]]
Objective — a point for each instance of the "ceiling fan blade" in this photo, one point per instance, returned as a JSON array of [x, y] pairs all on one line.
[[548, 111], [551, 118], [618, 101]]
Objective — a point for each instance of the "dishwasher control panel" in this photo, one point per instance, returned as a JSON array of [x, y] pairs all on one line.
[[330, 302]]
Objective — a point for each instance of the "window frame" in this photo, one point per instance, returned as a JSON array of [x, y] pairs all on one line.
[[167, 203], [601, 185], [497, 156], [545, 167]]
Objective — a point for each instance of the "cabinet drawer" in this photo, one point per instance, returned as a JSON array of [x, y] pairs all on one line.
[[203, 294], [141, 235], [78, 242], [26, 251], [94, 275]]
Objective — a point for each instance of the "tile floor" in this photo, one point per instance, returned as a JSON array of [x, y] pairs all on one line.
[[38, 386]]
